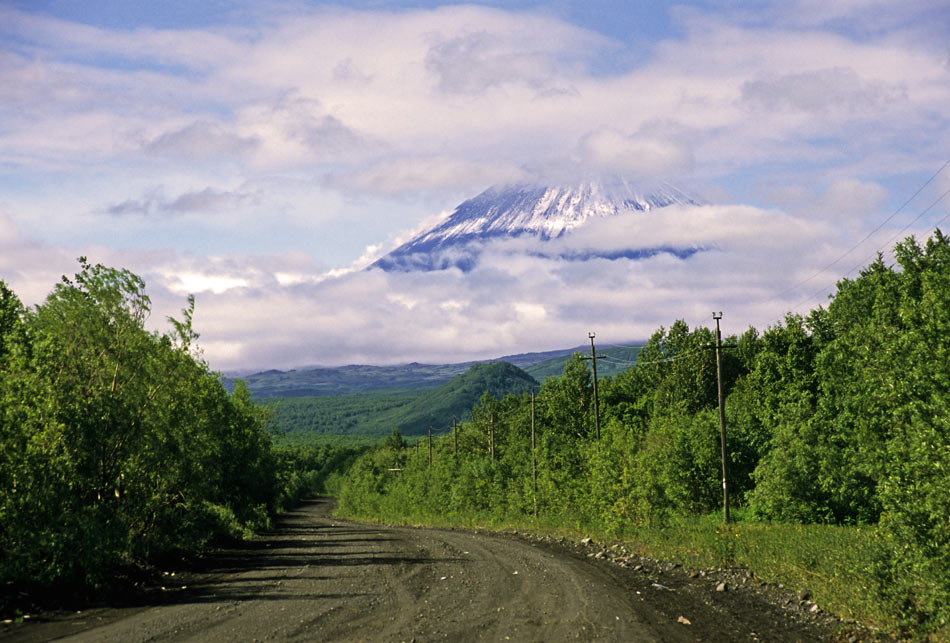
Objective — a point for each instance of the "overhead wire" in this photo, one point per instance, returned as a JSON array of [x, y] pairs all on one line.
[[624, 345], [886, 244], [867, 236], [830, 265], [615, 360], [673, 357], [877, 249]]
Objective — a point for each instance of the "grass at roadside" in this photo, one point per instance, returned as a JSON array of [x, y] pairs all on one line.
[[831, 562]]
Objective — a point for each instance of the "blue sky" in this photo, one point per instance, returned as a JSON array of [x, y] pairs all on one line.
[[257, 154]]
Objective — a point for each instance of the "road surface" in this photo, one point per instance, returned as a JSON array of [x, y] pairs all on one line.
[[318, 578]]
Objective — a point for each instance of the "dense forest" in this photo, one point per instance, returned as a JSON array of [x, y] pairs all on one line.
[[412, 412], [838, 417], [119, 445], [353, 380]]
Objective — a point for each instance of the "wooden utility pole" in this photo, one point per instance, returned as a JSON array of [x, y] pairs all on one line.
[[491, 436], [722, 421], [455, 435], [430, 446], [593, 361], [534, 459]]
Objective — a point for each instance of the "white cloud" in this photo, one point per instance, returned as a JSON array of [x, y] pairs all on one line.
[[375, 94], [408, 174], [207, 200], [638, 156], [318, 137], [201, 139], [276, 311], [191, 283], [819, 91], [530, 302]]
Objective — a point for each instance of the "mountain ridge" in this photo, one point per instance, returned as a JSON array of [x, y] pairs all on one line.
[[355, 379]]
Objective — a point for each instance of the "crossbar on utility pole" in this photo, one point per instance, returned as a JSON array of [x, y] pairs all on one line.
[[722, 422]]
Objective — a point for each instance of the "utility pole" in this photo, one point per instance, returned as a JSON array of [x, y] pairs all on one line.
[[722, 421], [455, 435], [593, 361], [430, 446], [534, 459], [491, 436]]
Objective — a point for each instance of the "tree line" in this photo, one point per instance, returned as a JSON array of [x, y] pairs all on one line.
[[840, 416], [119, 445]]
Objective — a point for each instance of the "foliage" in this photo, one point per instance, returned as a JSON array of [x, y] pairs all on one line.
[[119, 445], [839, 417], [617, 359], [353, 380], [412, 412], [361, 414]]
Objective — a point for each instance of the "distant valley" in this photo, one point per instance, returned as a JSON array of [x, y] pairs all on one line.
[[374, 400], [354, 379]]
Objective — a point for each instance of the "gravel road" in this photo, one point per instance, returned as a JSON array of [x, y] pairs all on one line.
[[318, 578]]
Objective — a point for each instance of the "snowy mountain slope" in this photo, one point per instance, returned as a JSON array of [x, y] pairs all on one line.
[[512, 211]]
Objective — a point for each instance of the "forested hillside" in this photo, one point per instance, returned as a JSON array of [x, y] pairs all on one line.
[[352, 380], [411, 412], [610, 361], [119, 445], [838, 417], [348, 380]]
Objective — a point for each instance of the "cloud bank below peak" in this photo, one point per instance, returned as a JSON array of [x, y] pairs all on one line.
[[263, 158]]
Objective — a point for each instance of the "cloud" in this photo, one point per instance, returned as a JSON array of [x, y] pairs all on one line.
[[282, 311], [200, 49], [414, 174], [326, 133], [638, 156], [818, 91], [476, 62], [529, 301], [861, 17], [201, 139], [206, 201], [28, 266], [297, 130], [319, 90]]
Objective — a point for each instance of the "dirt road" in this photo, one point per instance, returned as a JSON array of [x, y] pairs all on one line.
[[317, 578]]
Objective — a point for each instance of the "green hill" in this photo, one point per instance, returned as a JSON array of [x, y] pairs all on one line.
[[412, 412], [437, 407], [353, 379], [616, 360], [347, 380]]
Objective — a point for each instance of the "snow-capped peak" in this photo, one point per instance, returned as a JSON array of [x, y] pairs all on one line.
[[512, 211]]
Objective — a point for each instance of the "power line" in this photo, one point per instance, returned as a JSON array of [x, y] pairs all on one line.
[[868, 236], [904, 229], [616, 360], [886, 244], [878, 228], [937, 224], [627, 345], [671, 358]]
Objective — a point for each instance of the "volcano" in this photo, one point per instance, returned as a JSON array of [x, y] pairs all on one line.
[[542, 212]]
